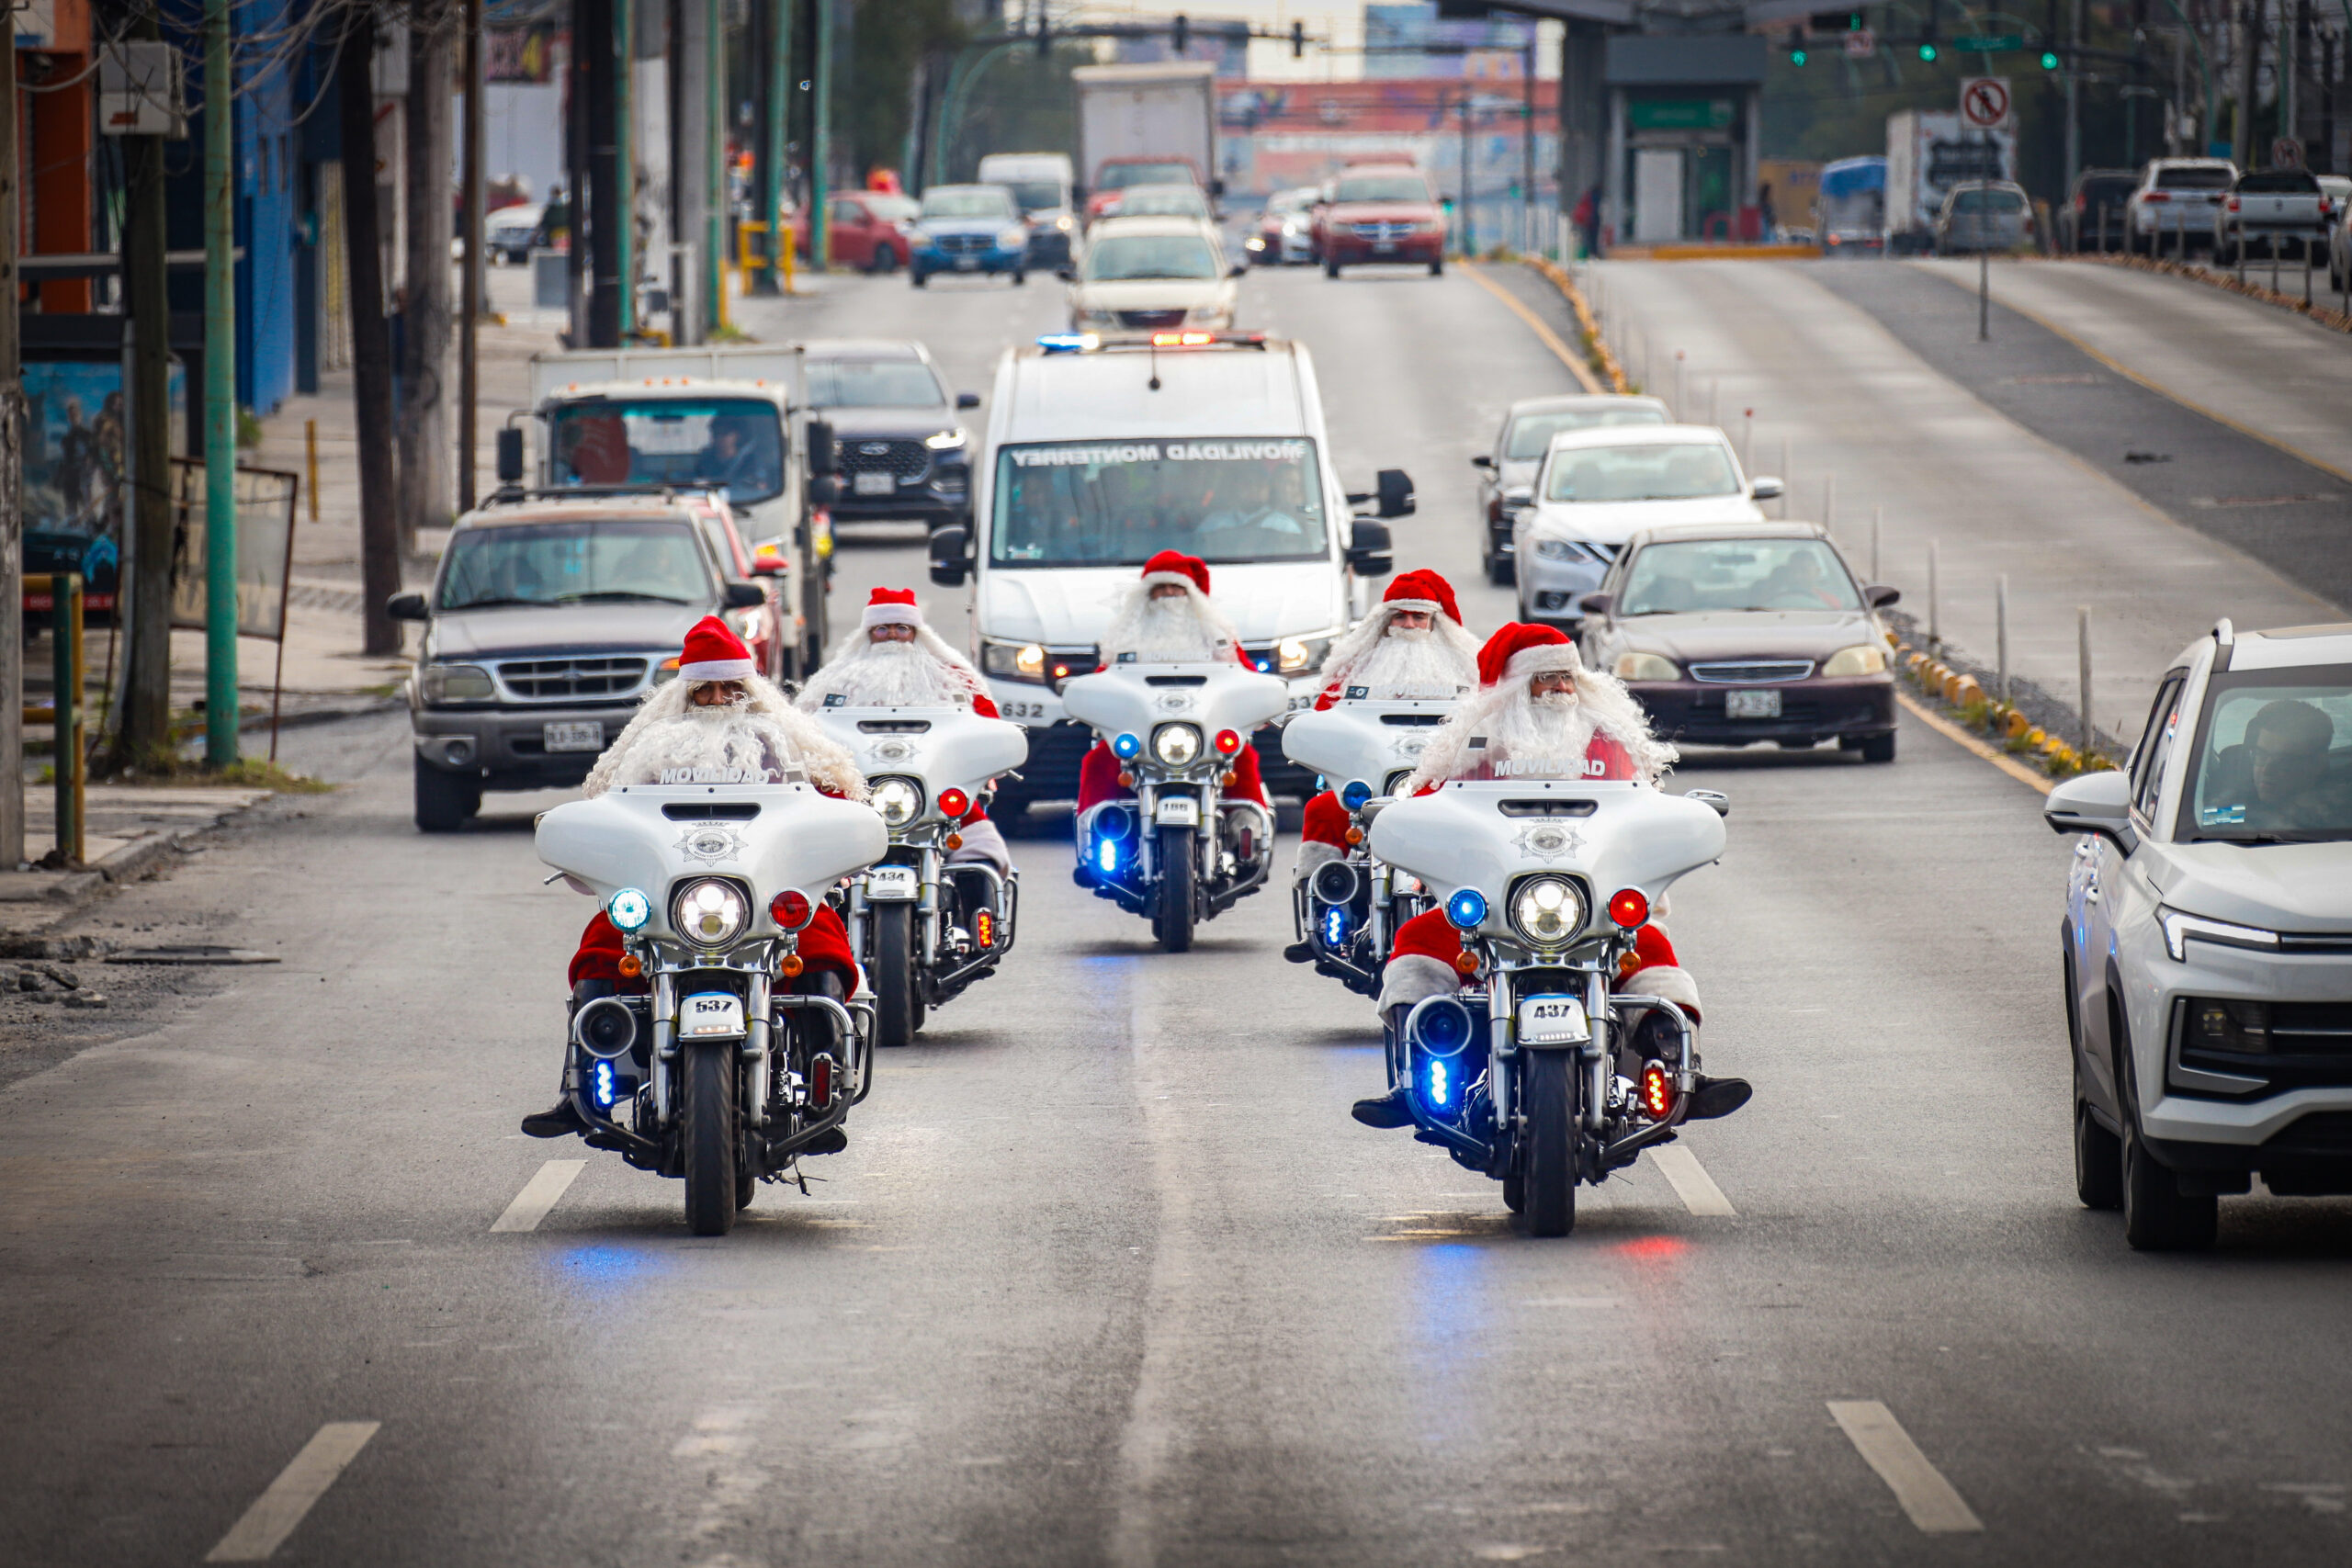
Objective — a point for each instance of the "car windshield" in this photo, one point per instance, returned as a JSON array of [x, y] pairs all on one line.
[[1982, 200], [2215, 178], [1125, 256], [1119, 503], [892, 208], [1667, 471], [967, 201], [735, 443], [1035, 195], [2274, 757], [1398, 186], [873, 384], [607, 560], [1530, 433], [1164, 201], [1119, 177], [1737, 574]]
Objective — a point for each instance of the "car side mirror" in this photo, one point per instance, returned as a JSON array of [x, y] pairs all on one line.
[[1878, 596], [1483, 461], [743, 595], [2093, 803], [510, 455], [407, 608], [1518, 499], [768, 565], [824, 454], [951, 555], [1396, 492], [1067, 274], [1764, 487], [967, 400], [1236, 270], [1369, 544], [1596, 604]]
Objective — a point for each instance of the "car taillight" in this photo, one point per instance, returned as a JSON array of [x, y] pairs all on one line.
[[2155, 196], [2234, 204], [791, 909]]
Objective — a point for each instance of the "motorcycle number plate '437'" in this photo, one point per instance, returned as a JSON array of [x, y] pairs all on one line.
[[1553, 1021], [890, 884], [711, 1014]]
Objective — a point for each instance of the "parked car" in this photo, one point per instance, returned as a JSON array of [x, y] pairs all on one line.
[[1507, 474], [1984, 215], [511, 233], [900, 449], [1152, 273], [1282, 233], [1042, 186], [2207, 944], [2282, 211], [1162, 201], [868, 229], [1116, 175], [968, 229], [547, 622], [1380, 212], [1597, 489], [2171, 212], [1756, 632], [2092, 217]]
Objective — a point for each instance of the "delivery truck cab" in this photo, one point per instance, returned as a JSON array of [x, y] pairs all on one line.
[[1100, 454]]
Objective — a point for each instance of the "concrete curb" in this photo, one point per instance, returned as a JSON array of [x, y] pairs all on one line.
[[1558, 276], [2323, 315]]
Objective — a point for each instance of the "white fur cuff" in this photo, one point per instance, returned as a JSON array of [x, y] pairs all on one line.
[[1676, 985], [1312, 857], [1549, 657], [1412, 977], [717, 669], [890, 615]]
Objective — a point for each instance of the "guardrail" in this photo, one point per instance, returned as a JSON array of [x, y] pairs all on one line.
[[64, 710]]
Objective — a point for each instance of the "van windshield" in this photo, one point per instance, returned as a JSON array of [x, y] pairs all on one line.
[[1037, 196], [734, 442], [1120, 503]]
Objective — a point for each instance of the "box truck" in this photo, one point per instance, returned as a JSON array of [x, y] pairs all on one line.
[[1928, 152], [1151, 124]]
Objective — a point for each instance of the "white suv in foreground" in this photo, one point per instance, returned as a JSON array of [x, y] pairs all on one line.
[[2208, 939]]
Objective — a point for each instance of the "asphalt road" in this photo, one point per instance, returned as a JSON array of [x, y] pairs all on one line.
[[1106, 1275]]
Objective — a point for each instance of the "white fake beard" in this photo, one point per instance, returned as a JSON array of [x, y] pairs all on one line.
[[1411, 664], [1541, 736], [1168, 632], [727, 736], [897, 675]]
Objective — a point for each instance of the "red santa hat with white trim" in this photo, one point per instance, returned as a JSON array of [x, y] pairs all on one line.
[[890, 607], [1422, 589], [713, 652], [1177, 569]]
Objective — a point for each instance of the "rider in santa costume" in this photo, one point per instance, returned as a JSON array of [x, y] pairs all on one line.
[[719, 715], [1539, 713], [895, 661], [1168, 618]]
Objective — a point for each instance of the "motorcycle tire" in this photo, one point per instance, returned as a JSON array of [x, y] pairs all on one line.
[[707, 1129], [1549, 1158], [896, 1017], [1174, 925]]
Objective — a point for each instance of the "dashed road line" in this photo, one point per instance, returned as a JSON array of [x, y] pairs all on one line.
[[289, 1498], [1691, 1181], [538, 1195], [1934, 1507]]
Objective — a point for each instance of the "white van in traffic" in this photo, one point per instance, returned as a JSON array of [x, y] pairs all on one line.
[[1100, 454], [1042, 186]]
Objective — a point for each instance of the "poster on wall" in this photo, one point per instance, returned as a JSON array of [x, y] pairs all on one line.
[[77, 450]]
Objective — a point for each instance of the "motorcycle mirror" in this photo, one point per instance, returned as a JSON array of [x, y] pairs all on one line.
[[1715, 800]]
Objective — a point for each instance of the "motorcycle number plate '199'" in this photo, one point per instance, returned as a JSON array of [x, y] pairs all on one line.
[[708, 1014], [1553, 1021], [890, 884], [1177, 811]]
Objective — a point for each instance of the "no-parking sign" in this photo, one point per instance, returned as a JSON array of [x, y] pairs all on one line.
[[1984, 102]]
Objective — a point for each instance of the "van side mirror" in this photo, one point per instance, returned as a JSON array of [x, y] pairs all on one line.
[[510, 455], [1483, 461], [967, 400], [1369, 544], [1396, 492], [1066, 273], [406, 607], [2093, 803], [824, 455], [951, 555], [1878, 596]]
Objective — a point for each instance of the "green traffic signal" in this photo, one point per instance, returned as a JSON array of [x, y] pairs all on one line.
[[2049, 60], [1796, 57], [1928, 52]]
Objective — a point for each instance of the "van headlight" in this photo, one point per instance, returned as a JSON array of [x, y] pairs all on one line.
[[1547, 911], [709, 912], [458, 683], [1295, 654], [1015, 661], [1176, 744], [1862, 659], [898, 800], [1646, 667]]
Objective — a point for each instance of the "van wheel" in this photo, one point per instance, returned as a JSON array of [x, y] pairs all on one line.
[[445, 802]]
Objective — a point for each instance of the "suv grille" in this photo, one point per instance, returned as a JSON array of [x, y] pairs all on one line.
[[1732, 673], [958, 245], [1151, 318], [1378, 232], [554, 680], [904, 459]]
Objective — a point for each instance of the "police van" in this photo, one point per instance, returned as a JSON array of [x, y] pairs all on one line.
[[1100, 453]]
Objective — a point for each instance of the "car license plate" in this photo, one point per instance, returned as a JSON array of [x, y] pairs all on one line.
[[711, 1013], [588, 735], [1383, 244], [1177, 811], [967, 264], [1553, 1021], [890, 884], [874, 484], [1751, 705]]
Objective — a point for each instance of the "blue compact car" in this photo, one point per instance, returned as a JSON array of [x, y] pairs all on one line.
[[968, 229]]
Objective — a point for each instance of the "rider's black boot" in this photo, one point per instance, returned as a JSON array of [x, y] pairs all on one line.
[[1717, 1097], [1300, 952], [558, 1122], [1384, 1112]]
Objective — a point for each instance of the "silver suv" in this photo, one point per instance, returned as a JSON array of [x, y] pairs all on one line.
[[2208, 939]]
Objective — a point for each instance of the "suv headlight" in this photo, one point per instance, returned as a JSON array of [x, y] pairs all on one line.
[[898, 800], [1007, 237], [1647, 666], [1862, 659], [1176, 744], [945, 441], [458, 683], [919, 235], [2181, 930], [709, 912], [1547, 911]]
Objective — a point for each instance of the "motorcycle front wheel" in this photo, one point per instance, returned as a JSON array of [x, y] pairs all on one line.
[[706, 1128], [1548, 1156], [1175, 920], [894, 974]]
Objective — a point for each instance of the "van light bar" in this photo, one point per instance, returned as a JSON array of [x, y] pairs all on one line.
[[1069, 342], [1182, 340]]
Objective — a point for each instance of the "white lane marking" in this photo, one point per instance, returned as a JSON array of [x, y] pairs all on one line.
[[1691, 1181], [1594, 1301], [538, 1195], [301, 1483], [1919, 1485]]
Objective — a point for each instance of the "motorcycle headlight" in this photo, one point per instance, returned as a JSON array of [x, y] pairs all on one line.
[[898, 800], [1647, 666], [1547, 911], [945, 441], [1862, 659], [1176, 744], [709, 912], [458, 683]]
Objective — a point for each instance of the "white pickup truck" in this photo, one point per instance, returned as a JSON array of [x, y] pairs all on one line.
[[2282, 211]]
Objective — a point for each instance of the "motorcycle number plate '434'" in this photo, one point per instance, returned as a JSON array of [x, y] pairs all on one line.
[[711, 1014], [1553, 1021], [890, 884]]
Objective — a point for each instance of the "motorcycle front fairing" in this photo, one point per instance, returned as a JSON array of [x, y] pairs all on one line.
[[1133, 698], [1374, 743]]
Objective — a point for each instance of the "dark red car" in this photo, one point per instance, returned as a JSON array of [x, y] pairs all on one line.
[[867, 228], [1380, 213]]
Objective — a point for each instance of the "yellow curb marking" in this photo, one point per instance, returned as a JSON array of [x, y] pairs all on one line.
[[1550, 339]]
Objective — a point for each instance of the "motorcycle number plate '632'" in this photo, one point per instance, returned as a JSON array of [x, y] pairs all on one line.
[[1177, 811], [708, 1014], [1553, 1021], [890, 884]]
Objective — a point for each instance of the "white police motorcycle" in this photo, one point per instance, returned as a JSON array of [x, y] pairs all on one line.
[[925, 926], [1347, 911], [1179, 853], [718, 1076], [1534, 1073]]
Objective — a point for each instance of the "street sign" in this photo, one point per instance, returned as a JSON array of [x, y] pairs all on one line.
[[1861, 43], [1984, 102], [2286, 153], [1989, 43]]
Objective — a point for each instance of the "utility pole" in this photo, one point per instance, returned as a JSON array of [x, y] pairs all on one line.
[[425, 454], [220, 396], [1469, 240], [2250, 59], [690, 186], [592, 36], [145, 734], [2075, 98], [372, 349], [714, 168], [12, 492], [477, 258], [820, 139], [1527, 241], [779, 120], [625, 163]]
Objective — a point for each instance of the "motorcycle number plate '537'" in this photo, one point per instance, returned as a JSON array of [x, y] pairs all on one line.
[[1553, 1021], [890, 884], [1178, 811], [711, 1014]]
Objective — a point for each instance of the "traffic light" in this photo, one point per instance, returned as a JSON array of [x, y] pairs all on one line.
[[1183, 33], [1297, 41], [2049, 60], [1796, 57], [1928, 52]]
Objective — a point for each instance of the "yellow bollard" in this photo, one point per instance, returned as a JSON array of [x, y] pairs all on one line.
[[310, 445]]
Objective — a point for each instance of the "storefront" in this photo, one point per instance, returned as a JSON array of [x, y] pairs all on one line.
[[1684, 131]]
